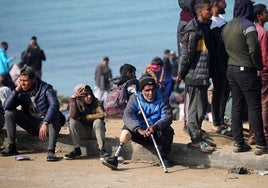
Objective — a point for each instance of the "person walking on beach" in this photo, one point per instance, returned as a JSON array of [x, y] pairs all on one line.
[[86, 119], [240, 39], [39, 114], [5, 79], [194, 70], [103, 76], [260, 18], [33, 57], [159, 116]]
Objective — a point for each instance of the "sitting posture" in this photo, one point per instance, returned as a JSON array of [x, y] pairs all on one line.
[[86, 115], [39, 112], [158, 115]]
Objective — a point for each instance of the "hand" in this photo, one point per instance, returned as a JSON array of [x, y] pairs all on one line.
[[144, 133], [43, 131], [151, 129], [18, 87]]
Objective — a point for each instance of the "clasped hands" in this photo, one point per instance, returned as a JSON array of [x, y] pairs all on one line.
[[148, 132]]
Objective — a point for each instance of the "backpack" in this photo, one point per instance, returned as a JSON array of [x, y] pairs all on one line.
[[116, 101]]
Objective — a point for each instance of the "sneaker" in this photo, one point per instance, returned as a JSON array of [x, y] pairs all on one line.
[[103, 155], [260, 150], [111, 162], [73, 154], [9, 151], [51, 156], [241, 148]]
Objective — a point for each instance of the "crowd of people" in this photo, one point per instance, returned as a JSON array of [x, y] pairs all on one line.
[[217, 61]]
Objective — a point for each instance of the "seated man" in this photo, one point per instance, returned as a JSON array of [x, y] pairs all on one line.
[[39, 114], [86, 115], [159, 117]]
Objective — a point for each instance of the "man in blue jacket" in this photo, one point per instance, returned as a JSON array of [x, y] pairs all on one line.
[[39, 114], [159, 116]]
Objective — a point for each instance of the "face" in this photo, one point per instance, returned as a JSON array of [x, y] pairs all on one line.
[[205, 13], [263, 16], [26, 83], [149, 93], [88, 99], [221, 6]]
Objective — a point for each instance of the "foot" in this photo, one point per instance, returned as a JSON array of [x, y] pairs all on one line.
[[51, 156], [9, 151], [251, 141], [241, 148], [103, 155], [111, 162], [201, 146], [260, 150], [73, 154]]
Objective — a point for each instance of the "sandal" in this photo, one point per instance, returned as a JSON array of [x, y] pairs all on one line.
[[201, 146]]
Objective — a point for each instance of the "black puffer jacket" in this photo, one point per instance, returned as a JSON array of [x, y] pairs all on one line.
[[195, 60], [45, 99]]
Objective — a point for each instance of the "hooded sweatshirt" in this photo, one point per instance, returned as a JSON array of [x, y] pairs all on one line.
[[240, 37]]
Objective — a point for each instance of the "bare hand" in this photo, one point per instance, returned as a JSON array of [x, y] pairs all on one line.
[[43, 132], [18, 88]]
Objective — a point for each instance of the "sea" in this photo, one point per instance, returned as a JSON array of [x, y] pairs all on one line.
[[76, 34]]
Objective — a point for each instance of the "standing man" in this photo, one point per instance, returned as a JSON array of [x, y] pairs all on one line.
[[261, 17], [195, 66], [34, 56], [220, 91], [39, 114], [159, 116], [166, 61], [5, 78], [240, 38], [86, 120], [103, 76]]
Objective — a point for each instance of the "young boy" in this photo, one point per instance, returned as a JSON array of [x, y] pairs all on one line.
[[194, 69]]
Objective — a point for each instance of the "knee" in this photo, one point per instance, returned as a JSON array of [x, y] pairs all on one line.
[[125, 136], [98, 124]]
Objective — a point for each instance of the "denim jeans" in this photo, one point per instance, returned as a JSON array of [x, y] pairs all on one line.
[[31, 125], [246, 88]]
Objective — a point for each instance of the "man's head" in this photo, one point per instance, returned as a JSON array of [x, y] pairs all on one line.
[[260, 13], [167, 53], [27, 79], [82, 90], [157, 61], [4, 45], [244, 9], [218, 6], [203, 10], [147, 87], [105, 60], [128, 70]]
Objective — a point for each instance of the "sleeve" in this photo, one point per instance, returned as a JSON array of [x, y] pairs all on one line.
[[91, 117], [130, 114], [166, 115], [53, 104]]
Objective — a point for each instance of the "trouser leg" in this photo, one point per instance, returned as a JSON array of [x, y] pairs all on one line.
[[99, 128]]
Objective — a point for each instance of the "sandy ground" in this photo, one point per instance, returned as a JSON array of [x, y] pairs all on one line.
[[89, 172]]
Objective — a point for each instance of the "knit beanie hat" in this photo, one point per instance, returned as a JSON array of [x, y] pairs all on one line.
[[81, 90], [146, 80]]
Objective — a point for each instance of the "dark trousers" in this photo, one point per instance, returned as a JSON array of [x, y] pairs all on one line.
[[220, 96], [246, 88], [198, 102], [163, 138], [31, 125]]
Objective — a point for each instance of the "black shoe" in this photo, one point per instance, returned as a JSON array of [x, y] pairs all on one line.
[[103, 155], [73, 154], [260, 150], [111, 162], [241, 148], [9, 151], [51, 156]]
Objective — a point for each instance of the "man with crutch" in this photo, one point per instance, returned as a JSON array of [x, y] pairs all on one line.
[[147, 119]]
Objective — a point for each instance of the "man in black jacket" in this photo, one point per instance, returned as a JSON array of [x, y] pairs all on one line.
[[39, 114]]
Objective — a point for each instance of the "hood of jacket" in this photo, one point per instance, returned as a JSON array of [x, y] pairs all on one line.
[[244, 9]]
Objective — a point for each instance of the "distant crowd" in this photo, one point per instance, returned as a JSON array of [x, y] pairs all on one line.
[[220, 74]]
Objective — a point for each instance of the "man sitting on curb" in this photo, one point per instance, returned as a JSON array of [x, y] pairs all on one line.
[[39, 114], [86, 117], [159, 116]]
